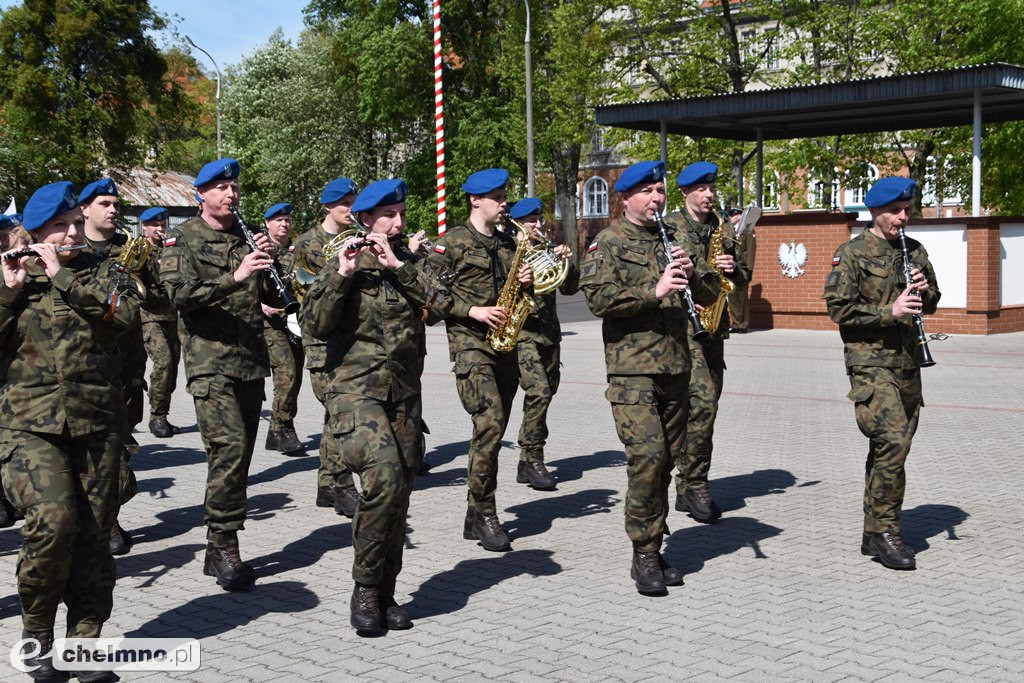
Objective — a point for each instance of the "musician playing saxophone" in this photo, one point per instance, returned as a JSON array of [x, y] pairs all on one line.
[[697, 184], [869, 297], [480, 255], [538, 352]]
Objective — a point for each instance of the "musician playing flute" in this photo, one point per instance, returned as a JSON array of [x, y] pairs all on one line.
[[869, 298], [370, 308], [61, 420], [217, 283]]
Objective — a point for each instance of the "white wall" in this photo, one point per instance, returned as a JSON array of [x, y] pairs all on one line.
[[1011, 258]]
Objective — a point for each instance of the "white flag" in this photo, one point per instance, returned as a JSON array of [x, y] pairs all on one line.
[[12, 208]]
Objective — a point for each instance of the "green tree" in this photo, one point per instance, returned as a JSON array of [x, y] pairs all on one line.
[[82, 89]]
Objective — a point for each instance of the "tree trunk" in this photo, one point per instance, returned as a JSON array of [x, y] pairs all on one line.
[[565, 166]]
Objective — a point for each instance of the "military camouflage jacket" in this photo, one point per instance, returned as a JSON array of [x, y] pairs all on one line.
[[700, 234], [373, 326], [158, 306], [222, 319], [481, 266], [642, 335], [309, 247], [866, 278], [57, 361], [112, 249], [286, 268], [542, 325]]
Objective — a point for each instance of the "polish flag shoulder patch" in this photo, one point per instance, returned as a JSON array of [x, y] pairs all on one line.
[[170, 241], [291, 248], [592, 248], [440, 248], [835, 261]]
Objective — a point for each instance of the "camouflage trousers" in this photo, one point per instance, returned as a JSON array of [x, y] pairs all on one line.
[[164, 350], [694, 461], [487, 386], [228, 413], [131, 354], [380, 441], [887, 403], [650, 419], [67, 489], [332, 471], [539, 376], [739, 307], [286, 360]]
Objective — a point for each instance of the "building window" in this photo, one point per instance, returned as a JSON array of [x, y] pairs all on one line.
[[947, 191], [858, 180], [822, 194], [595, 198], [771, 56]]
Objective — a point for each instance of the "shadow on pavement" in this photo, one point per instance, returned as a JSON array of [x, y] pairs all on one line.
[[182, 520], [156, 487], [442, 455], [921, 523], [10, 606], [536, 516], [304, 552], [220, 612], [572, 469], [158, 455], [152, 566], [450, 590], [731, 493], [285, 467], [690, 548]]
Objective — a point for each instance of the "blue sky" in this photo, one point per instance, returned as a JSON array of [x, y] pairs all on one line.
[[229, 30]]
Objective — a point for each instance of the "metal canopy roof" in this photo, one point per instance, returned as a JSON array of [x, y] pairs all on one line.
[[928, 99]]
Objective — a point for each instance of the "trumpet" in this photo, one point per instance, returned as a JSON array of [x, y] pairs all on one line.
[[26, 251]]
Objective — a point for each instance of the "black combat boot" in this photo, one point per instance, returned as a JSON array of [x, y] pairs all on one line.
[[487, 529], [673, 577], [646, 571], [161, 428], [225, 564], [42, 660], [365, 606], [120, 541], [699, 503], [289, 443], [325, 496], [395, 616], [346, 501], [536, 475], [273, 442], [889, 549]]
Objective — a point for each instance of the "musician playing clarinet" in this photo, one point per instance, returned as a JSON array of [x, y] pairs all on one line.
[[637, 289], [869, 298], [217, 283]]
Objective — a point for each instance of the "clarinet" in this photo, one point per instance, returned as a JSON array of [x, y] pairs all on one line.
[[924, 356], [699, 333], [290, 304]]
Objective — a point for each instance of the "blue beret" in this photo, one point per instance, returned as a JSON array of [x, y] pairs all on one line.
[[48, 202], [699, 172], [889, 190], [642, 172], [279, 209], [337, 189], [103, 186], [222, 169], [7, 221], [526, 207], [482, 182], [153, 213], [390, 191]]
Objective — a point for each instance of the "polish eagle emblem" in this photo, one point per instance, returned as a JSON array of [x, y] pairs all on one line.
[[792, 257]]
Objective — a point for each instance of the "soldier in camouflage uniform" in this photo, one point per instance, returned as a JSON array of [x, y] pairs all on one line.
[[370, 310], [869, 298], [645, 333], [12, 236], [480, 255], [693, 495], [101, 206], [217, 284], [739, 300], [159, 330], [283, 345], [335, 485], [538, 352], [61, 416]]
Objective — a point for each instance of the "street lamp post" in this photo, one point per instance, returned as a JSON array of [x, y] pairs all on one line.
[[218, 88], [531, 174]]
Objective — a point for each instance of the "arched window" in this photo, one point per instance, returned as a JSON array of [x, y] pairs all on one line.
[[595, 198], [858, 180]]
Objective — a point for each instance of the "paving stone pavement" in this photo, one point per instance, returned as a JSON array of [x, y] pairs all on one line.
[[777, 590]]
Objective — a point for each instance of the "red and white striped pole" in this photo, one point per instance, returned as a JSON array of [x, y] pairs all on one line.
[[439, 120]]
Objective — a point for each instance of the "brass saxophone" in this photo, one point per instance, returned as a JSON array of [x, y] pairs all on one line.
[[711, 316], [516, 303]]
